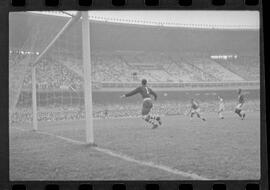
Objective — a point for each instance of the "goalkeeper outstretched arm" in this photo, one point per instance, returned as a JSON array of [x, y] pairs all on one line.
[[131, 93]]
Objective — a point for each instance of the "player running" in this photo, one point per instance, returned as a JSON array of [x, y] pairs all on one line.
[[221, 107], [195, 109], [146, 93], [241, 101]]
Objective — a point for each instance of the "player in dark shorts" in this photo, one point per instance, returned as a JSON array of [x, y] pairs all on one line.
[[239, 106], [195, 109], [146, 93]]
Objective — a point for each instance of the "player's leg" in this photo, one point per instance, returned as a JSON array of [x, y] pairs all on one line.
[[153, 117], [147, 119], [145, 114], [157, 118], [220, 115], [199, 115], [238, 110], [242, 113], [192, 112]]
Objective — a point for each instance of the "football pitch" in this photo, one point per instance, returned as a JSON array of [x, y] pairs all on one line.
[[181, 149]]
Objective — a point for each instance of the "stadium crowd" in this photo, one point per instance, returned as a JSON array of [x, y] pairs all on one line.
[[247, 67], [121, 67], [156, 67], [101, 111]]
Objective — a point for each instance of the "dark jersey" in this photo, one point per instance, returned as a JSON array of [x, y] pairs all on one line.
[[144, 91], [241, 99], [194, 105]]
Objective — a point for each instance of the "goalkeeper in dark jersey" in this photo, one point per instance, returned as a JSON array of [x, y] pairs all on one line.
[[146, 93], [239, 106]]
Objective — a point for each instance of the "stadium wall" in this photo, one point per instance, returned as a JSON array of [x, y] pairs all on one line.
[[69, 98]]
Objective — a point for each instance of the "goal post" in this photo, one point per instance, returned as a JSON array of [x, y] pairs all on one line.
[[87, 78], [86, 60]]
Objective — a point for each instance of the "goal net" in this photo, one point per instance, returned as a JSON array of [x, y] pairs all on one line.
[[53, 46]]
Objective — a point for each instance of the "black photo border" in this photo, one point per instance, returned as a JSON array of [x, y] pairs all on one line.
[[6, 6]]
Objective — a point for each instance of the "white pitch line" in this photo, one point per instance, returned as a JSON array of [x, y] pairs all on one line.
[[20, 129], [151, 164], [130, 159], [52, 135], [60, 137]]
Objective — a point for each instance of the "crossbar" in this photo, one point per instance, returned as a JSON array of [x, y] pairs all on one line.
[[65, 27]]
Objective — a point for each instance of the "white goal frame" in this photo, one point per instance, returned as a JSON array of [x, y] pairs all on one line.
[[86, 68]]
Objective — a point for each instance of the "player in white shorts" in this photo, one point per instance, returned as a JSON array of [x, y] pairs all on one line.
[[221, 107]]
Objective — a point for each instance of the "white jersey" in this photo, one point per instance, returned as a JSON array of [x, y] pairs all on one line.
[[221, 104]]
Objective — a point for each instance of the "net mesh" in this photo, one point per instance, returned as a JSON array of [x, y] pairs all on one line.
[[59, 73]]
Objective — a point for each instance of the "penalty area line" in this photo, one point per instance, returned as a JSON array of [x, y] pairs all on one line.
[[129, 158]]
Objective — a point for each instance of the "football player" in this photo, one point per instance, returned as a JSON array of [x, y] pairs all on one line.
[[221, 107], [146, 93], [239, 106], [195, 109]]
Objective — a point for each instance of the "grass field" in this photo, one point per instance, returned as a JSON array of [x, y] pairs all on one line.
[[181, 149]]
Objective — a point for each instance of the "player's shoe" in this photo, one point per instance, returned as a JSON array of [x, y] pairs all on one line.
[[203, 119], [243, 116], [155, 126], [159, 120]]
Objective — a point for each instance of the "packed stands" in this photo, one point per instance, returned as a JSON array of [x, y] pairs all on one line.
[[125, 67], [245, 66], [157, 52], [188, 72], [52, 75], [119, 67], [214, 69]]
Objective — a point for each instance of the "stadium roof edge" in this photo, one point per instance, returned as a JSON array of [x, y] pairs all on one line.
[[136, 22]]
